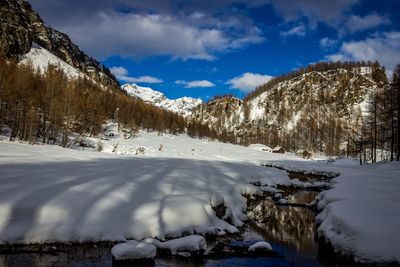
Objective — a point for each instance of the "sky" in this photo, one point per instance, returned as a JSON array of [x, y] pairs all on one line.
[[205, 48]]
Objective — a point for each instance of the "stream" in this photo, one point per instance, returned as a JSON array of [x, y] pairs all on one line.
[[289, 228]]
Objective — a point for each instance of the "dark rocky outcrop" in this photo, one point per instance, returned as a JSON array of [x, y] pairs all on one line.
[[21, 27]]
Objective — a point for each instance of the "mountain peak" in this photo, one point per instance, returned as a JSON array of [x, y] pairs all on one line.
[[183, 105]]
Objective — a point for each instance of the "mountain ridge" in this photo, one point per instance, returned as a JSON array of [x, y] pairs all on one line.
[[21, 26], [183, 105]]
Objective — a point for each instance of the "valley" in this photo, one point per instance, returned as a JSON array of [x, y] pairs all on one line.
[[100, 166]]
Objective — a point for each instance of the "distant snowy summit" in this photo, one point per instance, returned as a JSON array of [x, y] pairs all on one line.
[[183, 105]]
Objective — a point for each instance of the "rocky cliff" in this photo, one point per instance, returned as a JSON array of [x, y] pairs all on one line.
[[20, 27]]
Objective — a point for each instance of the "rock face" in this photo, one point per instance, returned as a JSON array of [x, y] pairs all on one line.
[[21, 27], [318, 110]]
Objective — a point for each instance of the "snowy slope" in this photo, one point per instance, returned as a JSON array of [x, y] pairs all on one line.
[[40, 58], [183, 105]]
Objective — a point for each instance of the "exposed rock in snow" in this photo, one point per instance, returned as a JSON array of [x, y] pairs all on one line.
[[133, 250], [183, 105], [191, 243], [261, 245], [278, 149]]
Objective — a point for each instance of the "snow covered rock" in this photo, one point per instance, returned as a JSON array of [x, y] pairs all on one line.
[[251, 190], [193, 244], [133, 250], [283, 201], [216, 200], [261, 245], [278, 149]]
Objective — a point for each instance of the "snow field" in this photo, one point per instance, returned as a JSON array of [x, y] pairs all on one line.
[[50, 194]]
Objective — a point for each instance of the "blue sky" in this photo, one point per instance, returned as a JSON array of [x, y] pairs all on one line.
[[206, 48]]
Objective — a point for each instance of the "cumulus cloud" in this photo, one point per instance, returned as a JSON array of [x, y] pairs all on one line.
[[383, 47], [153, 28], [299, 30], [195, 84], [122, 74], [248, 81], [371, 21]]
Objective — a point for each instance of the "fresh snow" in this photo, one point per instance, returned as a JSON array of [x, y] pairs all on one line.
[[133, 250], [260, 245], [361, 214], [50, 194], [183, 105]]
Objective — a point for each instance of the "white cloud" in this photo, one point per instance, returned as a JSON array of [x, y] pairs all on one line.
[[195, 84], [248, 81], [122, 73], [298, 30], [383, 47], [327, 43], [371, 21], [142, 35]]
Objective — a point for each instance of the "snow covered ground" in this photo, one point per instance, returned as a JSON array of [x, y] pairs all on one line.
[[154, 144], [161, 186], [49, 193]]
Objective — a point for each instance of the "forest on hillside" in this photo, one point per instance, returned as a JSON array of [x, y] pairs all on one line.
[[49, 106], [329, 124]]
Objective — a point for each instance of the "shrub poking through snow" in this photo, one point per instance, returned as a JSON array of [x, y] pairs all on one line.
[[140, 151]]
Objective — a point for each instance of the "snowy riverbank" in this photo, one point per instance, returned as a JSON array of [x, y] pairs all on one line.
[[49, 193]]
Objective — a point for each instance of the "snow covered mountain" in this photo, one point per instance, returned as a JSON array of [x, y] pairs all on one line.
[[317, 110], [183, 105], [21, 27]]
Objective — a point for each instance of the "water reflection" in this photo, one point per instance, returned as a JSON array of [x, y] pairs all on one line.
[[292, 226]]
